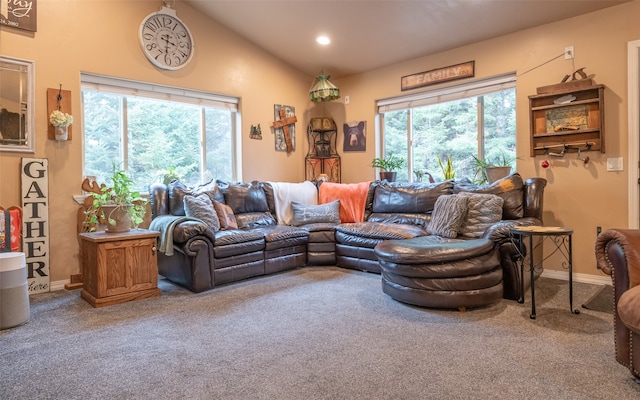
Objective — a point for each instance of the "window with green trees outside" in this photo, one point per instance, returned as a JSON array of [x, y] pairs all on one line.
[[462, 127]]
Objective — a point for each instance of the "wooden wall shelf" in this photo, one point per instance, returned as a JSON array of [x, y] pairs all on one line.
[[574, 125]]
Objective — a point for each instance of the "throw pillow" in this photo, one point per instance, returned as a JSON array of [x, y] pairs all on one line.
[[448, 215], [509, 188], [483, 211], [225, 215], [201, 207], [310, 214]]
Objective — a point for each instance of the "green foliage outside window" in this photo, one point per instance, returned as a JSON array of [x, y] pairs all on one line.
[[160, 135], [452, 129]]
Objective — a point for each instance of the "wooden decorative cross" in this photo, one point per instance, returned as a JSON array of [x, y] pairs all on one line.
[[284, 123]]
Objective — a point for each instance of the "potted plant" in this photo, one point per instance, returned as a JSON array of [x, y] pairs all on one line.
[[491, 171], [118, 205], [169, 175], [447, 168], [389, 166]]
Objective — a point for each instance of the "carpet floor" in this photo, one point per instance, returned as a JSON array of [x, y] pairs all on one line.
[[311, 333], [602, 300]]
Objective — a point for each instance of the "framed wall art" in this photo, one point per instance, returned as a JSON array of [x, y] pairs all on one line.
[[355, 136]]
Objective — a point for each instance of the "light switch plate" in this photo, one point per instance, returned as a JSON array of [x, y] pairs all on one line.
[[614, 164]]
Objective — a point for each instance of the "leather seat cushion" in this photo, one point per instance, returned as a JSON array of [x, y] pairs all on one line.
[[438, 269], [432, 249], [236, 236], [381, 231]]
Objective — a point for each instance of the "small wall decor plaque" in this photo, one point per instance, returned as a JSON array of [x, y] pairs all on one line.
[[355, 136], [255, 132], [284, 127], [438, 75], [20, 14]]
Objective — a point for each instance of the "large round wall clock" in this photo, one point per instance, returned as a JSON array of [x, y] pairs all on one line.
[[166, 40]]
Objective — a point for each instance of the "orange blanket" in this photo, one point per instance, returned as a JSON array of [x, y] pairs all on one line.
[[352, 196]]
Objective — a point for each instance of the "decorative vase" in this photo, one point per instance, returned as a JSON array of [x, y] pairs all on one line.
[[121, 217], [62, 132]]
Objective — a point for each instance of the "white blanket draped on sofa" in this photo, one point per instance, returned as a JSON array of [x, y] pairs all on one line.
[[285, 192]]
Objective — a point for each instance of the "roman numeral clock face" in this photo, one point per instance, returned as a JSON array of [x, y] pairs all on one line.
[[165, 40]]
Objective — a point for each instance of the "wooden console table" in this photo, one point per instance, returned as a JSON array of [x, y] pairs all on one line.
[[119, 267]]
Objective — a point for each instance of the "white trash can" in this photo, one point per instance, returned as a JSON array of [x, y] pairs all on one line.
[[14, 290]]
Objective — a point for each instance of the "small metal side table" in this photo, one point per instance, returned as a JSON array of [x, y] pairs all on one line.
[[560, 237]]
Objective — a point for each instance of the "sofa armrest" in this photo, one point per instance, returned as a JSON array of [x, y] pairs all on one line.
[[186, 230], [500, 231], [618, 254]]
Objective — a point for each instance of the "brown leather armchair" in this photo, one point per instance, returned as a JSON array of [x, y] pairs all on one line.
[[618, 255]]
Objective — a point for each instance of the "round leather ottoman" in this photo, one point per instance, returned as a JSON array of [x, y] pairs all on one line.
[[431, 271]]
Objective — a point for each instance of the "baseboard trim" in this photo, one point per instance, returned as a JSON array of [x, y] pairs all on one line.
[[547, 273], [58, 285], [577, 277]]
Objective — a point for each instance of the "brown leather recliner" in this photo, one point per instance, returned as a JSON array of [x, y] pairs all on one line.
[[618, 255]]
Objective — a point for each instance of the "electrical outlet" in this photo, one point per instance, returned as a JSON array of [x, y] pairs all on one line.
[[569, 53]]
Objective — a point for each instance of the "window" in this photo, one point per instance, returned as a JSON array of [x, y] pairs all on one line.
[[148, 129], [462, 121]]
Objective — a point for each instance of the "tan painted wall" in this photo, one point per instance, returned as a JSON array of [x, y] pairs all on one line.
[[577, 196], [102, 37]]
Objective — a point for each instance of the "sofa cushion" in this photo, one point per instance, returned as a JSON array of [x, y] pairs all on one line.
[[448, 215], [177, 190], [402, 197], [420, 219], [246, 197], [254, 219], [310, 214], [225, 216], [201, 207], [629, 309], [282, 194], [484, 210], [510, 188], [378, 231]]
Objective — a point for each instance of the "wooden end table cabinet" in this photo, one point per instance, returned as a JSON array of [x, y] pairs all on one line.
[[119, 267]]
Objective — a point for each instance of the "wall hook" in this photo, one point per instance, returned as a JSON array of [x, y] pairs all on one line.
[[584, 160], [59, 98], [561, 154]]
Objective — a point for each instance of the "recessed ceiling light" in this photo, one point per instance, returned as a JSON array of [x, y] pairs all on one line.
[[323, 40]]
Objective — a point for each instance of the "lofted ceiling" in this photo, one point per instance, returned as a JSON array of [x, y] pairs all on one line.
[[369, 34]]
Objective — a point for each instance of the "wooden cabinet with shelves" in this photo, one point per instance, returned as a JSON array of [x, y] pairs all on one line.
[[119, 267], [567, 120]]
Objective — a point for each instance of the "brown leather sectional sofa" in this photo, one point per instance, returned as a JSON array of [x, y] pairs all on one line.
[[203, 258]]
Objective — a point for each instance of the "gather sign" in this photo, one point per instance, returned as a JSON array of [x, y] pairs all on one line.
[[35, 222]]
